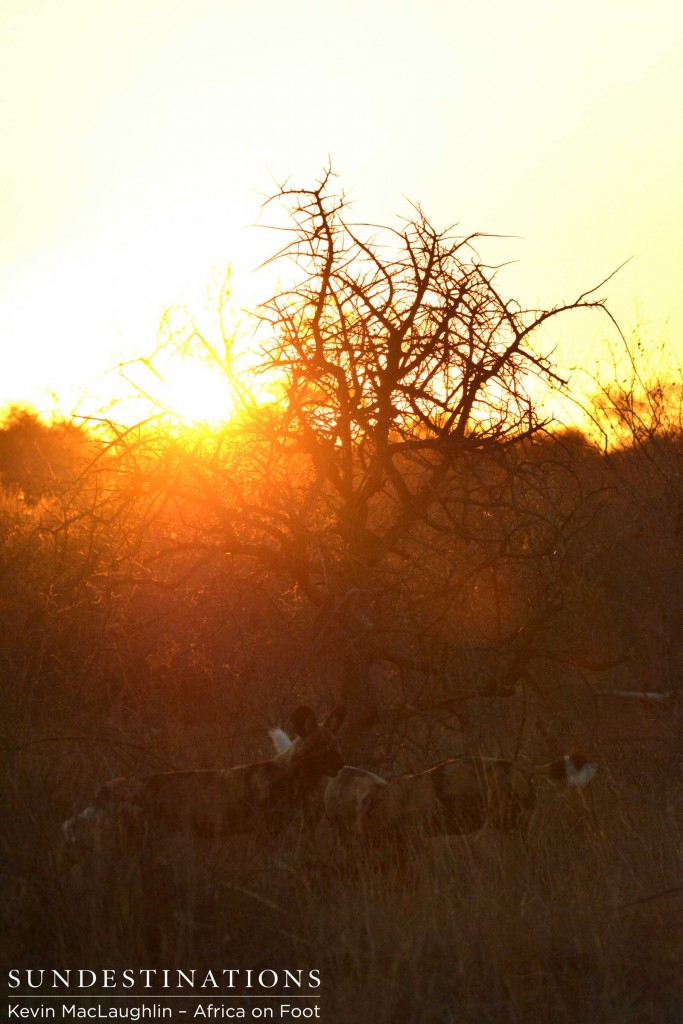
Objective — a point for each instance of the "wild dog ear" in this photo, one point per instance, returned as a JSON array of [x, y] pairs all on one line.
[[335, 719], [304, 722]]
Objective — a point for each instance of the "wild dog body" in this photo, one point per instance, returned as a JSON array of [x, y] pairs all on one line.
[[216, 803], [459, 796], [455, 797], [346, 795]]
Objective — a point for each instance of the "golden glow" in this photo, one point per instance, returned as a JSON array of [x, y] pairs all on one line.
[[185, 382], [194, 392], [137, 148], [180, 387]]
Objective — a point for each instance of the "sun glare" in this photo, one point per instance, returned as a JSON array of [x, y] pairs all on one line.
[[182, 388], [194, 392]]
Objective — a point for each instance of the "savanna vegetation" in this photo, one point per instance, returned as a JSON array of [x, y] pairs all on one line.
[[399, 529]]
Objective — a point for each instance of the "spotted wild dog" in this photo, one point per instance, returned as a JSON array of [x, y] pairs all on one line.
[[456, 797], [215, 803], [345, 796], [340, 798]]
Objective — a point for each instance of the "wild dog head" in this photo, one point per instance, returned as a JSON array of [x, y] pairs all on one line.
[[315, 752]]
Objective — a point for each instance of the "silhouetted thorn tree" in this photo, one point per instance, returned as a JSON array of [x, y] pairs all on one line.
[[398, 355]]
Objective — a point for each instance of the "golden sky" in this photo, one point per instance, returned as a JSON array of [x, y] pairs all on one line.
[[136, 137]]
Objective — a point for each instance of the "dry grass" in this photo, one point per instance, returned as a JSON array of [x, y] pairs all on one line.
[[583, 926]]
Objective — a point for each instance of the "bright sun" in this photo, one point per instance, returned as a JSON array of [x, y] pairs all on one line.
[[194, 392], [189, 390]]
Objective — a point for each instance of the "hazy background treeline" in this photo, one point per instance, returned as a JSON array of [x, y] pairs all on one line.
[[554, 578]]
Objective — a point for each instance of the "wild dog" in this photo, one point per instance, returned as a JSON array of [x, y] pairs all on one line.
[[455, 797], [340, 798], [345, 797], [459, 796], [215, 803]]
